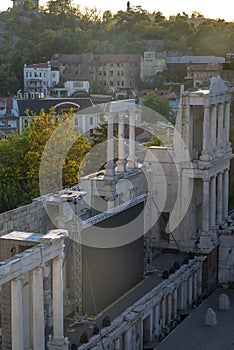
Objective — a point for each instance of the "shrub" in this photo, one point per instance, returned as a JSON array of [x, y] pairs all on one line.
[[165, 274], [106, 321], [177, 265], [84, 338], [172, 270], [95, 330]]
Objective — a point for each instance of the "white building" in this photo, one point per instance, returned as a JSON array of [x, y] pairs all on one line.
[[39, 79]]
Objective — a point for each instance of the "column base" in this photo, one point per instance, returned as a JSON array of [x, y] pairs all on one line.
[[214, 235], [121, 166], [131, 165], [205, 156], [110, 170], [205, 245], [54, 344]]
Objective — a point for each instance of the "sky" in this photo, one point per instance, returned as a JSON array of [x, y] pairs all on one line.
[[209, 8]]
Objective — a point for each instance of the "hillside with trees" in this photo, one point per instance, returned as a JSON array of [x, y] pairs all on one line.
[[28, 36]]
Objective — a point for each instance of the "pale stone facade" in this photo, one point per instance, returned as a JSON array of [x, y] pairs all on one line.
[[196, 168], [21, 280]]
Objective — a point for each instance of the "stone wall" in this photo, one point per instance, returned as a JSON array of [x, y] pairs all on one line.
[[226, 256], [29, 218]]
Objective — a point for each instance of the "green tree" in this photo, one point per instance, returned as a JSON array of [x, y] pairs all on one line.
[[158, 104], [154, 141], [20, 158], [29, 5]]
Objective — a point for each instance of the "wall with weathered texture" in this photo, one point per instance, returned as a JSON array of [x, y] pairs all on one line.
[[226, 256], [29, 218]]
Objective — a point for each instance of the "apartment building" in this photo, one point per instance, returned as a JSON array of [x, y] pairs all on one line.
[[112, 71]]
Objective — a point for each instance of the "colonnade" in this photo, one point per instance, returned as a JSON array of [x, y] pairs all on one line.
[[130, 118], [215, 200], [216, 126], [148, 317], [38, 322], [30, 264]]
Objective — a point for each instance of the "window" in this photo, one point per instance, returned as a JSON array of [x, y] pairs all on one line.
[[149, 63], [1, 124], [91, 120], [76, 121], [12, 124]]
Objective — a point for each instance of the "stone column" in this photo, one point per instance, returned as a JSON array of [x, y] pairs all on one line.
[[225, 193], [110, 167], [206, 130], [220, 125], [38, 310], [181, 297], [213, 202], [17, 322], [199, 281], [156, 317], [131, 156], [195, 286], [205, 206], [57, 341], [185, 300], [121, 164], [190, 290], [220, 199], [175, 303], [128, 339], [117, 344], [57, 298], [213, 127], [163, 312], [227, 122], [169, 311]]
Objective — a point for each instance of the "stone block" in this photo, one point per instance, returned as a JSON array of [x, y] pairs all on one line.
[[210, 317], [224, 302]]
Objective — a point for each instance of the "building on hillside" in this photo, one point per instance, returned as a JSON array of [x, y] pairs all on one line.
[[72, 89], [112, 72], [40, 79], [152, 63], [9, 122], [174, 62], [27, 108], [20, 3], [201, 74]]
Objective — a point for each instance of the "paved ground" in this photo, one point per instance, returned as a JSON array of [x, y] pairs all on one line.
[[193, 334], [160, 263]]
